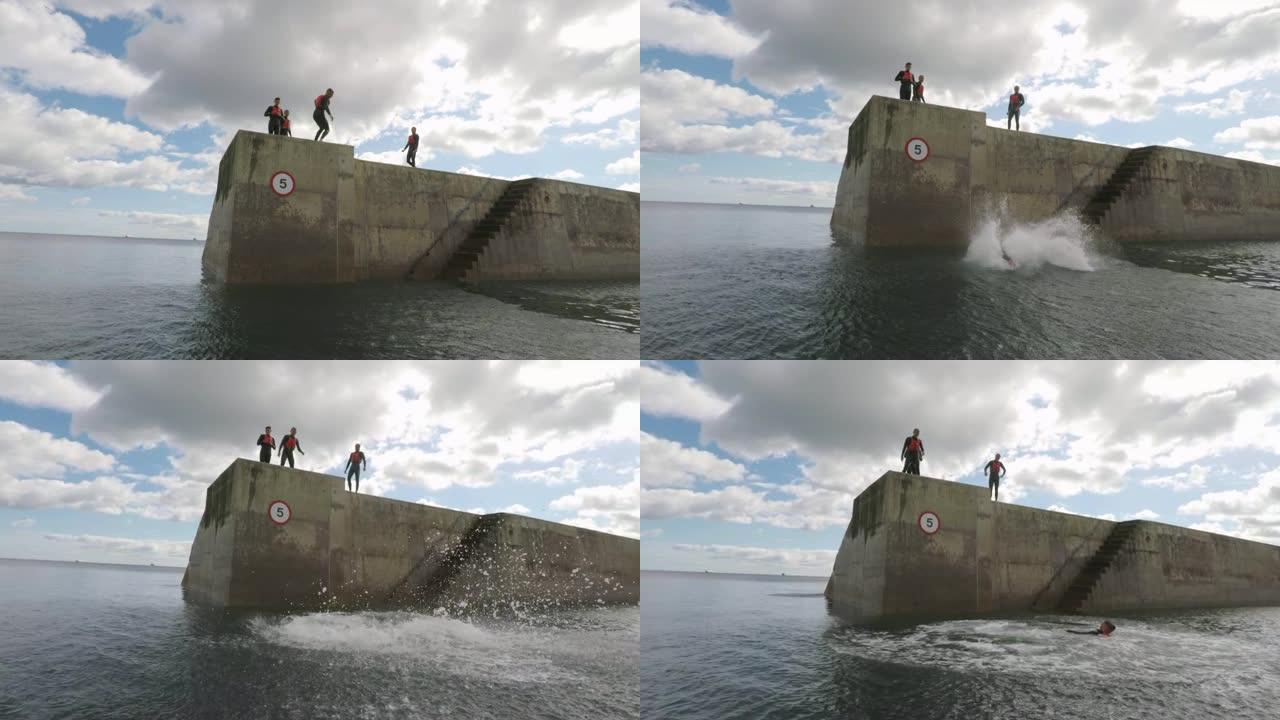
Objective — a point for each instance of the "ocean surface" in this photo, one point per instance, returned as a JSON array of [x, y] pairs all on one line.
[[744, 646], [116, 298], [102, 641], [723, 281]]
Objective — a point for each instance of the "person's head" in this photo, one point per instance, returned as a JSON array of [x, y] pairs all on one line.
[[357, 447], [997, 456], [915, 433], [286, 113], [328, 93], [268, 429], [294, 431], [413, 131], [1016, 88], [277, 101], [920, 78], [908, 66], [1107, 627]]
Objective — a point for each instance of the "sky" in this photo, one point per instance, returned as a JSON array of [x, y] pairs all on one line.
[[117, 112], [109, 461], [753, 466], [750, 100]]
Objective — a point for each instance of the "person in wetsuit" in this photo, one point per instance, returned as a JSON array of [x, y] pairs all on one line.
[[288, 445], [285, 128], [994, 470], [912, 452], [1105, 629], [322, 107], [275, 118], [905, 82], [1016, 101], [354, 461], [917, 94], [266, 444], [412, 146]]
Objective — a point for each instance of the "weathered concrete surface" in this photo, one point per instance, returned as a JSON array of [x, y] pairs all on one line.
[[886, 200], [991, 558], [345, 550], [351, 220]]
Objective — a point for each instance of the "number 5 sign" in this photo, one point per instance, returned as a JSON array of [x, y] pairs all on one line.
[[929, 522], [279, 512], [917, 149], [283, 184]]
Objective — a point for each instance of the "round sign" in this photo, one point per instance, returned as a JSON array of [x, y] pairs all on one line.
[[283, 184], [278, 512], [929, 522], [917, 149]]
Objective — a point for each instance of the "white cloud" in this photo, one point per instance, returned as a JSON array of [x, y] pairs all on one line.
[[80, 201], [48, 50], [667, 392], [1219, 107], [568, 174], [664, 463], [739, 558], [194, 225], [810, 191], [44, 385], [32, 453], [627, 133], [1145, 515], [565, 473], [23, 523], [684, 27], [689, 169], [160, 549], [1255, 133], [15, 193], [625, 166], [630, 187], [608, 508], [1180, 142], [1193, 477]]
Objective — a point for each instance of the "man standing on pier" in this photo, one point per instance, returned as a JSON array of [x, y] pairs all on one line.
[[288, 445], [322, 107], [994, 470], [912, 450], [906, 83], [1016, 101], [266, 444], [354, 461], [412, 146]]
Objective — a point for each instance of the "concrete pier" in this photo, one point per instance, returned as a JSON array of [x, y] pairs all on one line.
[[920, 176], [278, 538], [289, 210], [921, 549]]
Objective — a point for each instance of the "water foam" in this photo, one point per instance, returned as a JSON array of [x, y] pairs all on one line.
[[1062, 241]]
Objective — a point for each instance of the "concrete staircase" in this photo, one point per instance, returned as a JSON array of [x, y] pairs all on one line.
[[437, 570], [1080, 589], [1115, 186], [474, 246]]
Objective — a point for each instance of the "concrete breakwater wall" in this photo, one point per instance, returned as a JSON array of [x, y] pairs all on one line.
[[290, 210], [923, 549], [920, 175], [278, 538]]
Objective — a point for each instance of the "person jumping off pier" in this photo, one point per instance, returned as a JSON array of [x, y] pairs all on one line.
[[275, 117], [285, 128], [912, 451], [266, 444], [905, 82], [1104, 630], [412, 146], [354, 461], [1016, 101], [994, 470], [918, 90], [322, 107], [288, 445]]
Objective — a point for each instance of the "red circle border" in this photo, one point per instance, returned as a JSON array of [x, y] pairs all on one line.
[[295, 181], [908, 152], [918, 518], [286, 522]]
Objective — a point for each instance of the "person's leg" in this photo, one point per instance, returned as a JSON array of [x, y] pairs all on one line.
[[413, 157], [357, 479], [1008, 122], [1017, 124], [264, 455], [349, 480]]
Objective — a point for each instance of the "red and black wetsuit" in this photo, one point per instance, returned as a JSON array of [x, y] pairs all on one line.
[[905, 81], [266, 444], [287, 446], [912, 452], [919, 92], [994, 470], [412, 147], [275, 117], [322, 107], [285, 129], [354, 461]]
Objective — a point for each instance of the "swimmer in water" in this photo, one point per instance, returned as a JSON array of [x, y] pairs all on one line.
[[1104, 630]]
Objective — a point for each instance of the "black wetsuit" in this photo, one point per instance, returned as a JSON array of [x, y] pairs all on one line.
[[266, 444], [412, 147], [995, 471], [322, 106], [1016, 101], [906, 83], [912, 455], [287, 446], [1085, 632], [275, 120], [353, 468]]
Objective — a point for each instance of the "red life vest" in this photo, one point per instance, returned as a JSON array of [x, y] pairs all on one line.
[[1015, 100], [268, 440], [319, 101], [356, 457], [286, 123], [914, 445], [290, 442], [276, 110], [996, 467]]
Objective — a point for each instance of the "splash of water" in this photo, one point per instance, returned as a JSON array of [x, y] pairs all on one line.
[[1002, 243]]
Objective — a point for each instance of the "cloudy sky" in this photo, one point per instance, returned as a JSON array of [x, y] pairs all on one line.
[[116, 112], [750, 100], [109, 461], [753, 466]]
